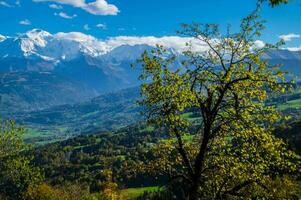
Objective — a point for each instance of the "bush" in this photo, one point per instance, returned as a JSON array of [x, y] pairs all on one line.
[[70, 192]]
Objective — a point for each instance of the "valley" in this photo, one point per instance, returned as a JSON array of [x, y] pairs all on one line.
[[201, 115], [103, 113], [58, 93]]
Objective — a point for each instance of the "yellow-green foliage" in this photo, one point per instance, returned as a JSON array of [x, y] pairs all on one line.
[[44, 192], [72, 192], [233, 152], [47, 192], [133, 193], [16, 170]]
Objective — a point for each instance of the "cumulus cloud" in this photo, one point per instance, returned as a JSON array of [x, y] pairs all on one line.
[[88, 40], [25, 22], [55, 6], [10, 5], [175, 42], [294, 48], [65, 15], [289, 37], [101, 26], [87, 27], [5, 4], [75, 36], [258, 44], [18, 3], [97, 7]]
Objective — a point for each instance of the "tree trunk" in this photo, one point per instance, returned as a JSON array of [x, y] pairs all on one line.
[[193, 193]]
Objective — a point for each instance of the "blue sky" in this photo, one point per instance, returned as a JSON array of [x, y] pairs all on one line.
[[107, 18]]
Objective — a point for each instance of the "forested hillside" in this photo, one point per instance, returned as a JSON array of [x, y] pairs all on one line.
[[212, 113], [82, 159]]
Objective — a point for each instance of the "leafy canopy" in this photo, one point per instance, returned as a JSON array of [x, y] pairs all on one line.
[[232, 151], [16, 170], [274, 3]]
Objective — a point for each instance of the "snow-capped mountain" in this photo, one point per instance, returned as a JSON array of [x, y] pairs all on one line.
[[68, 54], [64, 46], [47, 46], [81, 66], [38, 49], [73, 64]]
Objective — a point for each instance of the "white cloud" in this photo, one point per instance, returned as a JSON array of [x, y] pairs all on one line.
[[101, 7], [87, 40], [294, 48], [55, 6], [101, 26], [25, 22], [5, 4], [289, 37], [76, 36], [87, 27], [175, 42], [10, 5], [258, 44], [2, 38], [65, 15], [97, 7]]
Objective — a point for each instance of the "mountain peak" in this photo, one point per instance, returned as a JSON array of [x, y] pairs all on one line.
[[37, 33], [43, 44]]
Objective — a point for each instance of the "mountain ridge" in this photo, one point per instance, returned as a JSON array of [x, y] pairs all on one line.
[[53, 77]]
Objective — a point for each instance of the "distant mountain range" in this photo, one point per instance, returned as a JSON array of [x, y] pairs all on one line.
[[290, 61], [52, 79], [39, 70], [103, 113]]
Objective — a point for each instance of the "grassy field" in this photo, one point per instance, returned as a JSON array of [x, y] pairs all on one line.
[[31, 133], [133, 193], [294, 104], [40, 137]]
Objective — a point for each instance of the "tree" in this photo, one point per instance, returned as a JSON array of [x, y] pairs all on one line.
[[274, 3], [66, 192], [16, 171], [232, 151]]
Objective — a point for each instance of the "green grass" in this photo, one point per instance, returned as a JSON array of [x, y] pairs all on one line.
[[186, 138], [187, 115], [295, 104], [133, 193], [148, 129], [41, 137], [31, 133], [116, 127]]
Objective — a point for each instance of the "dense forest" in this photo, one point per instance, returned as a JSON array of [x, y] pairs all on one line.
[[83, 158], [81, 167]]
